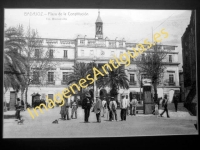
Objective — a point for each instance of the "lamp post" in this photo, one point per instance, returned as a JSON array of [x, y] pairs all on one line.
[[94, 94], [140, 76]]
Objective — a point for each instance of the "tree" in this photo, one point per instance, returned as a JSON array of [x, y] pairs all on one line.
[[38, 60], [81, 70], [151, 63], [115, 80], [14, 62]]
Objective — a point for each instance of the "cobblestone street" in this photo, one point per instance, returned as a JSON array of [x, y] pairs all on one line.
[[179, 123]]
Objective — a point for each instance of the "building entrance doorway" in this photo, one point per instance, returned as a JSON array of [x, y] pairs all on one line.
[[13, 97]]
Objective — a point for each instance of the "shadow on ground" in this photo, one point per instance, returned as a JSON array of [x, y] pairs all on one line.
[[9, 117]]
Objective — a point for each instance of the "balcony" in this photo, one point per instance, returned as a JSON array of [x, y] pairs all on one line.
[[64, 82], [171, 83], [133, 83], [35, 82], [51, 82]]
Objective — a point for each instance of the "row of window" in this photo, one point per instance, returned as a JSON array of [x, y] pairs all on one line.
[[169, 58], [37, 53], [65, 77], [102, 53], [111, 44], [50, 76], [65, 55], [143, 76]]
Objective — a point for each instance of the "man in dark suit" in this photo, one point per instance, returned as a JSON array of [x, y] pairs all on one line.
[[175, 100], [86, 105], [164, 104]]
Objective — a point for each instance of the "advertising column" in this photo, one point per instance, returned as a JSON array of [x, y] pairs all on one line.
[[148, 102]]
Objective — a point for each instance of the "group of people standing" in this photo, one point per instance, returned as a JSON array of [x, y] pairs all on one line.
[[65, 109], [110, 105], [101, 106], [165, 105], [19, 107]]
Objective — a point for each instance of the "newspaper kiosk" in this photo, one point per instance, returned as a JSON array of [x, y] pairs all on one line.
[[148, 101]]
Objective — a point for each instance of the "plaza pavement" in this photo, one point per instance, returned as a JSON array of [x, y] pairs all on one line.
[[179, 123]]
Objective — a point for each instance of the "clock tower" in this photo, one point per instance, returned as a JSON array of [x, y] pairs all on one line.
[[99, 28]]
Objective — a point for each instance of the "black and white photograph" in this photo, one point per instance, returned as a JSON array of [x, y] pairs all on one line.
[[79, 73]]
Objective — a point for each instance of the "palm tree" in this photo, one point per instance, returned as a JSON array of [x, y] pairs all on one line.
[[14, 62], [14, 70], [115, 79], [81, 70]]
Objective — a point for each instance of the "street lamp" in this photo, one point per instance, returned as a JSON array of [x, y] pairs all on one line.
[[94, 94], [140, 76]]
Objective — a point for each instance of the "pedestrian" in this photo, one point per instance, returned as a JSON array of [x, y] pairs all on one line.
[[164, 104], [159, 100], [18, 109], [128, 105], [74, 106], [86, 105], [22, 104], [65, 110], [123, 106], [104, 106], [109, 113], [175, 100], [155, 110], [97, 109], [113, 108], [134, 104]]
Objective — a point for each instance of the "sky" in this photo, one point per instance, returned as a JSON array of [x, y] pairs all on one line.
[[134, 25]]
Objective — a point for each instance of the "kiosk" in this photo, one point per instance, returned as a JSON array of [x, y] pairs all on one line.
[[148, 101]]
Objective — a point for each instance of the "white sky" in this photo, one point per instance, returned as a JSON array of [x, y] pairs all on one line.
[[133, 25]]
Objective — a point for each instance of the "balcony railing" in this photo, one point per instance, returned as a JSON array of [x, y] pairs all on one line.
[[35, 82], [51, 82], [64, 82], [133, 83], [171, 83]]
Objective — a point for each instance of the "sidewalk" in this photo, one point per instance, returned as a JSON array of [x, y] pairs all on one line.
[[139, 125], [182, 113]]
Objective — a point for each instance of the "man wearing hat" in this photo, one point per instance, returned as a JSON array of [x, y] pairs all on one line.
[[134, 103], [104, 106], [97, 109], [86, 105], [123, 105], [113, 107], [109, 113]]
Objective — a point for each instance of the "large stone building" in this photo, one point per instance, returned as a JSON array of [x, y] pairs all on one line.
[[67, 52], [189, 64]]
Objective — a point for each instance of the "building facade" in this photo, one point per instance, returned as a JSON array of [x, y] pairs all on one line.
[[189, 64], [67, 52]]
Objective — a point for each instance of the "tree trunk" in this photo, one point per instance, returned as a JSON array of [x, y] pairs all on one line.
[[22, 98], [155, 92], [26, 96], [81, 94]]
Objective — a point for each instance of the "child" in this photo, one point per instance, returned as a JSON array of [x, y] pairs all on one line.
[[156, 112]]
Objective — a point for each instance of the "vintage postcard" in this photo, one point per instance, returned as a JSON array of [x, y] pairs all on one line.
[[75, 73]]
